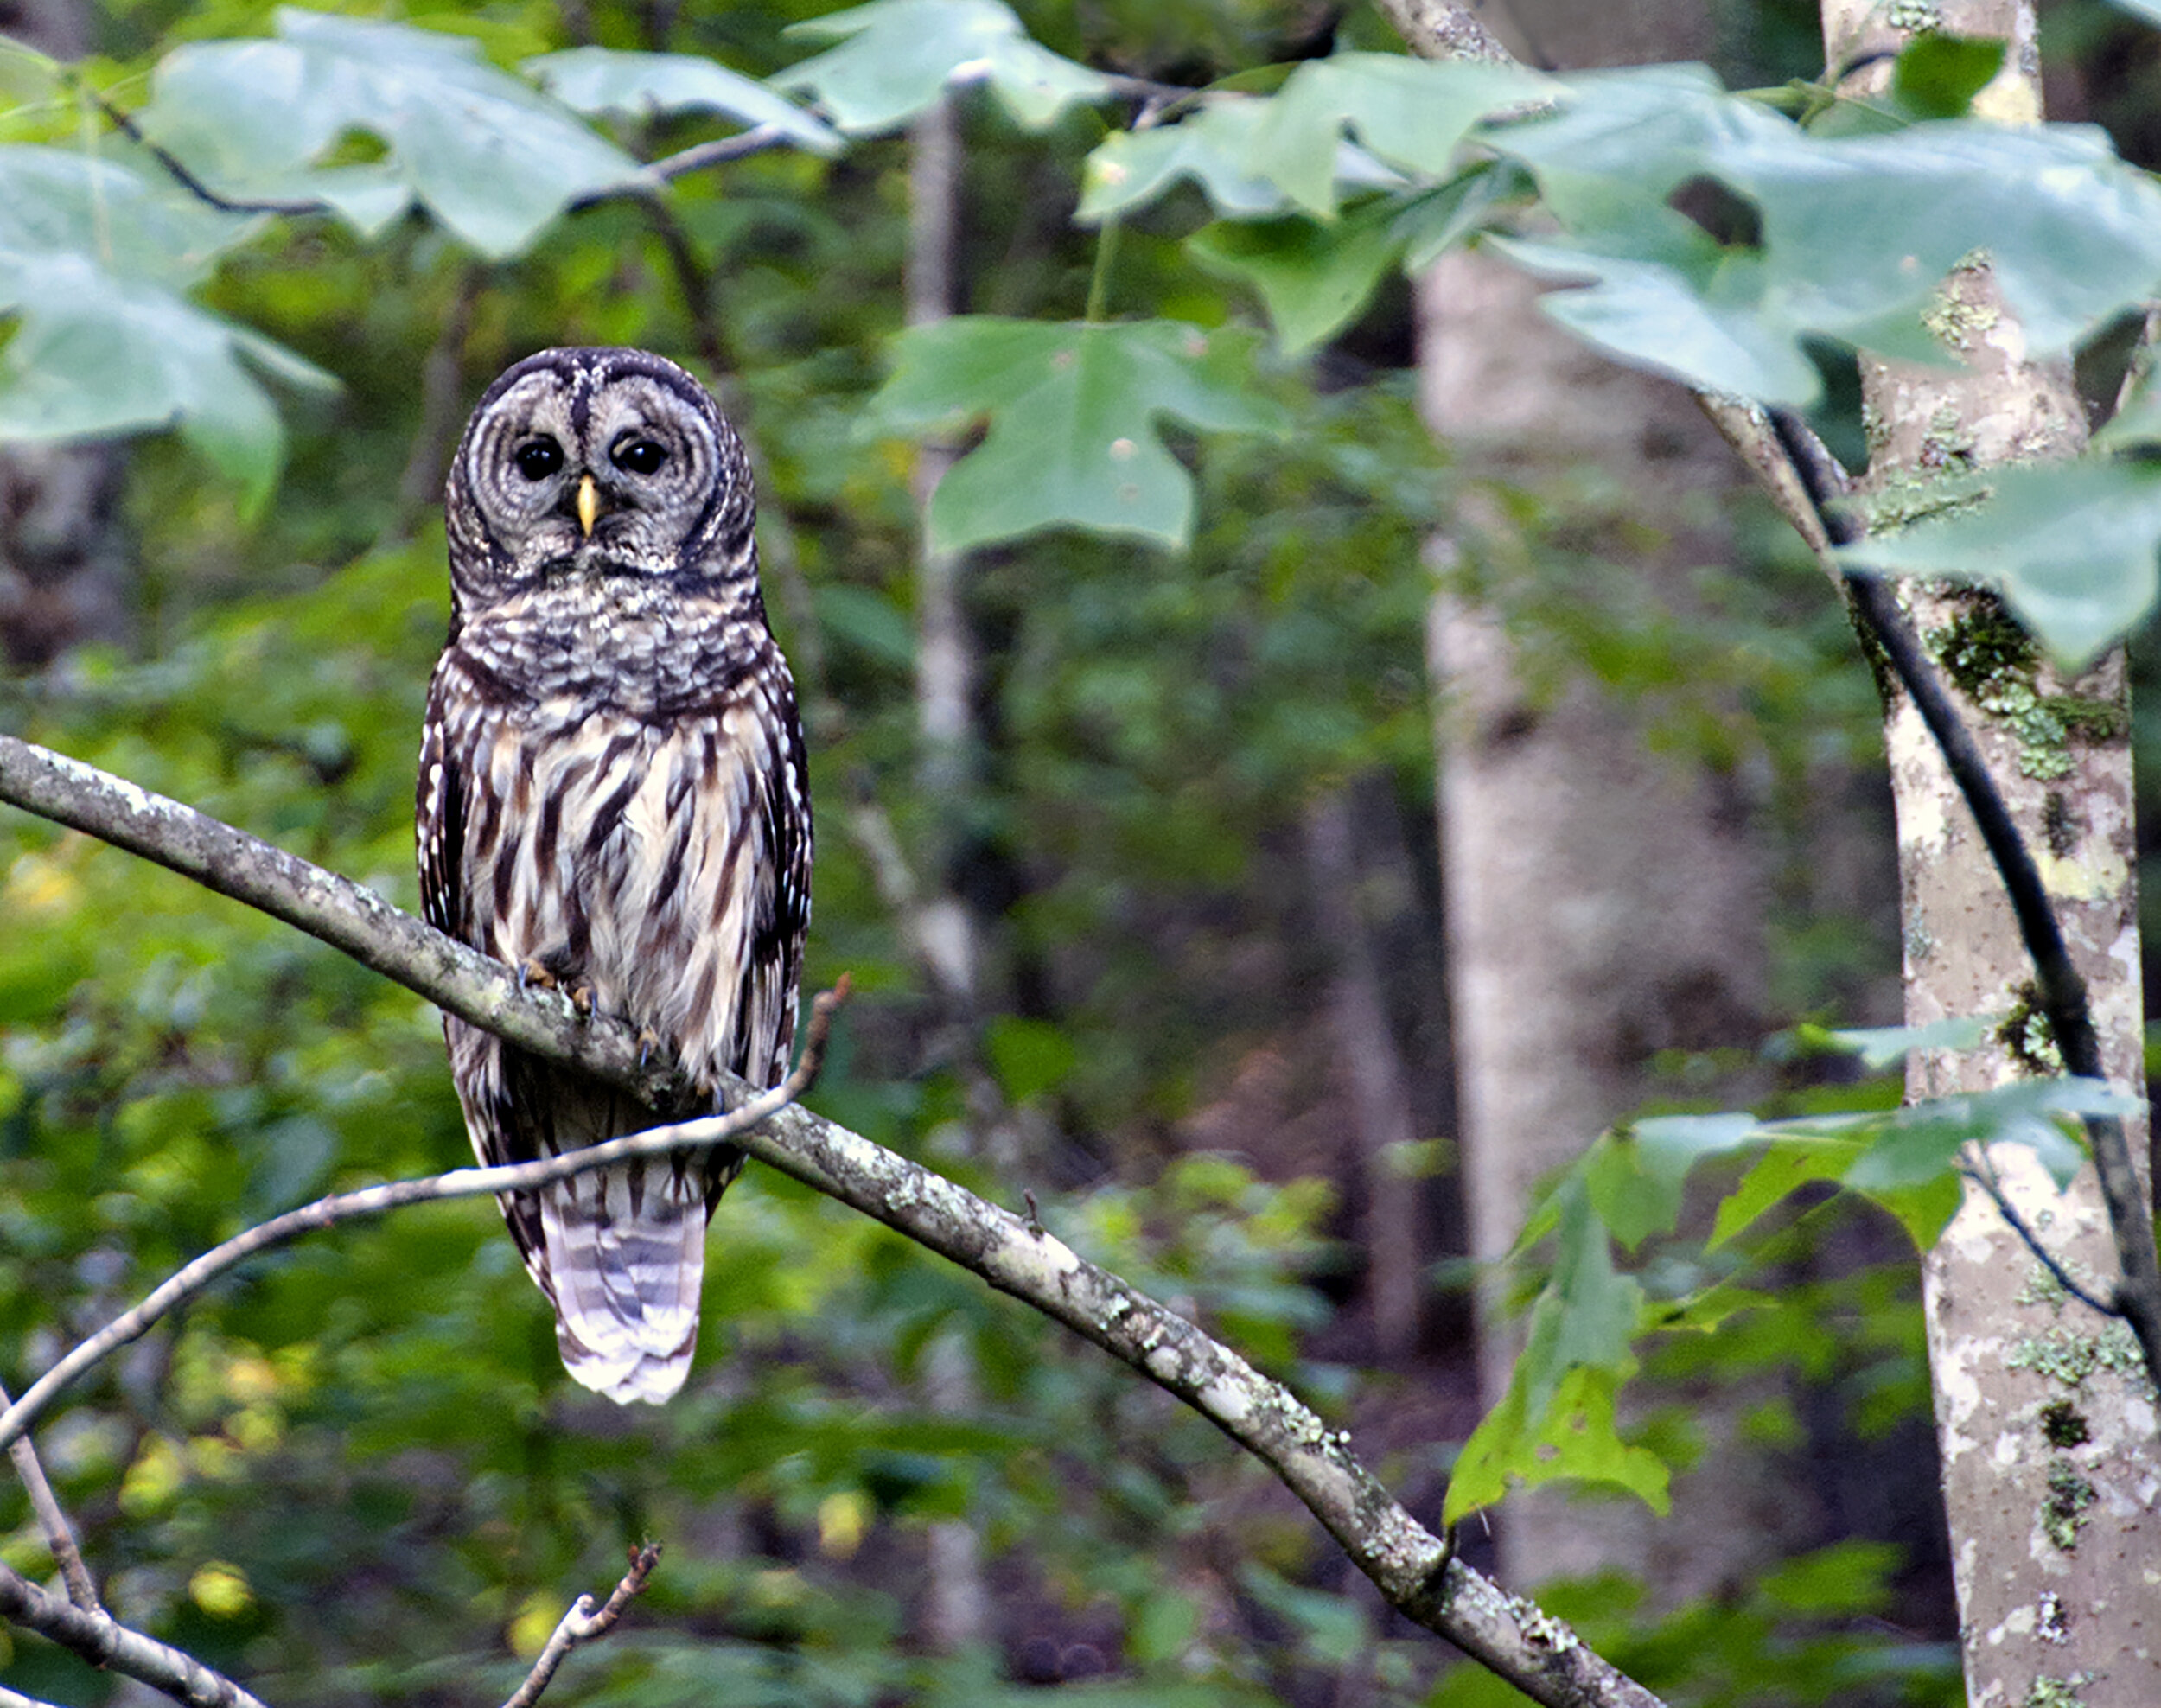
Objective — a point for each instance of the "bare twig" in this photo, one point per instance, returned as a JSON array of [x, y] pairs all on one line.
[[582, 1624], [103, 1641], [719, 152], [59, 1535], [1537, 1653], [124, 122], [701, 1134], [1982, 1172]]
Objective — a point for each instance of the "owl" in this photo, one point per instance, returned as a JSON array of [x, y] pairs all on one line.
[[612, 800]]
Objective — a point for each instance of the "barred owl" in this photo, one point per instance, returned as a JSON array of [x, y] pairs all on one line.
[[612, 799]]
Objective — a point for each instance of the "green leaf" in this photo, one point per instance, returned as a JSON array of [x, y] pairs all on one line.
[[2071, 546], [1313, 277], [1072, 408], [1937, 76], [1793, 1160], [1587, 1314], [1214, 147], [134, 224], [1412, 113], [1635, 1174], [1922, 1141], [641, 85], [1855, 233], [896, 57], [1881, 1047], [1577, 1441], [491, 157], [89, 255]]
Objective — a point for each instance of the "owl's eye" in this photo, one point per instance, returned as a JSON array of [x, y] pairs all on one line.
[[638, 456], [537, 459]]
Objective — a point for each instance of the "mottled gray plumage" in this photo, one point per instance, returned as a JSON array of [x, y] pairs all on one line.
[[612, 797]]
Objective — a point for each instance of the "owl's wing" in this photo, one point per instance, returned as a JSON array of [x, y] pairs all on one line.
[[773, 957], [439, 814]]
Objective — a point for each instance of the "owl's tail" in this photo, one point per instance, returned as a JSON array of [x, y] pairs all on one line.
[[622, 1255]]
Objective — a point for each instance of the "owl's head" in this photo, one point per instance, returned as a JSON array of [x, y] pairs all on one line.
[[605, 463]]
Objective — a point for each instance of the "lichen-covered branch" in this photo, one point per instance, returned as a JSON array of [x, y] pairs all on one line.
[[1409, 1565], [52, 1517], [103, 1641]]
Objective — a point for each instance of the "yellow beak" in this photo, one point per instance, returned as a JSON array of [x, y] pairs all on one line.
[[588, 503]]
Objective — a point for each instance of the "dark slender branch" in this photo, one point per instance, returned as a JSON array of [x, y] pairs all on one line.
[[2063, 1000], [719, 152], [103, 1641], [51, 1517], [124, 122], [583, 1624], [1982, 1172], [1539, 1654], [701, 1134]]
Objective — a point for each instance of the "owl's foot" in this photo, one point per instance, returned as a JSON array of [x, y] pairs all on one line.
[[649, 1041], [535, 973]]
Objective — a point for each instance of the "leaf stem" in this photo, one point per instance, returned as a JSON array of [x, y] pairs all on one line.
[[1099, 280]]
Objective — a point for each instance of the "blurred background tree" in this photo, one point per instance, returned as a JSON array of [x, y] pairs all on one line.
[[1178, 812]]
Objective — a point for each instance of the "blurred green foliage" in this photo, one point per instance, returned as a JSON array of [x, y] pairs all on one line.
[[354, 1472]]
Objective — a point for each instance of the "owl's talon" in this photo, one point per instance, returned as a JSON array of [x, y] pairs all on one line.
[[534, 974], [581, 997], [647, 1043]]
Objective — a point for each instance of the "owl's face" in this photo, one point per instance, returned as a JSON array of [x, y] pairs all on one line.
[[596, 462]]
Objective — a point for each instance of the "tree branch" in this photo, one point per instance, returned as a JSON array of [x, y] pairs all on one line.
[[103, 1641], [1539, 1655], [583, 1625], [59, 1535]]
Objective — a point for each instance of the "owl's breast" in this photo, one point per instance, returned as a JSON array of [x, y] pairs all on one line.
[[632, 856]]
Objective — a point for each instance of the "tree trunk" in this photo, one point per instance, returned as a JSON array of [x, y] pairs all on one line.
[[2046, 1421]]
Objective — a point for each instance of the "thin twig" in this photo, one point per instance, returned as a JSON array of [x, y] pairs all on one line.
[[104, 1642], [124, 122], [1537, 1653], [582, 1624], [702, 1134], [1982, 1172], [51, 1517], [719, 152]]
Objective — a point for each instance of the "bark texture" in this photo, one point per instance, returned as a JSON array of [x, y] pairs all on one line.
[[2045, 1418]]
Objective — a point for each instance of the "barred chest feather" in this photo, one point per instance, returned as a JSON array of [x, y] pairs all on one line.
[[632, 772]]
